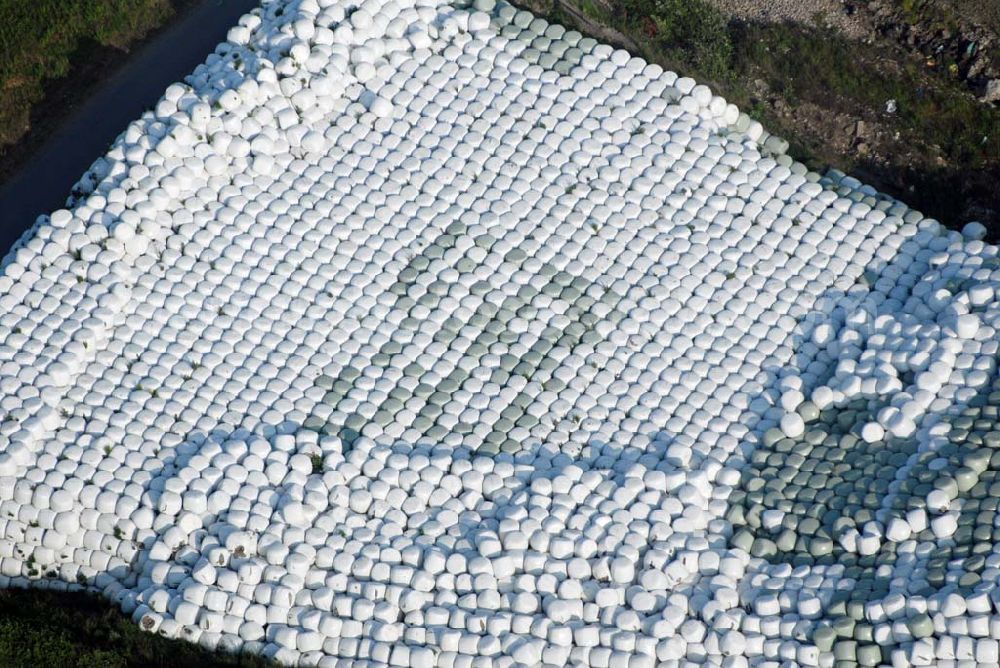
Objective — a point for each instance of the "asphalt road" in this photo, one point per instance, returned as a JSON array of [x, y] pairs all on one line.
[[43, 183]]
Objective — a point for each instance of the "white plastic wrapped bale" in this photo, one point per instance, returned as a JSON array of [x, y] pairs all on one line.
[[403, 333]]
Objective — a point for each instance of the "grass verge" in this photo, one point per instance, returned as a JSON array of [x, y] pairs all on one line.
[[62, 630], [40, 39]]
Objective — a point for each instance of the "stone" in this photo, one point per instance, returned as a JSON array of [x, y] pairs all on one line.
[[991, 93]]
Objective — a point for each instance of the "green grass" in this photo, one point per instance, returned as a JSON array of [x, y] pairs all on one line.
[[42, 629], [593, 11], [936, 14], [40, 40], [685, 31]]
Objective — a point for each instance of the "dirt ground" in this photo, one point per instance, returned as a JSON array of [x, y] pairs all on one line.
[[832, 13], [963, 32]]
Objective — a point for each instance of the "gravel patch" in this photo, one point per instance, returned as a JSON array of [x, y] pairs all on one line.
[[831, 13]]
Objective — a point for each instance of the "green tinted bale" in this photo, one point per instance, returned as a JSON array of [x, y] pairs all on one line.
[[920, 626], [772, 436], [844, 627], [969, 580], [845, 650], [965, 479], [510, 446], [808, 411], [743, 540], [763, 548], [820, 547], [869, 655], [786, 541], [824, 638], [735, 515]]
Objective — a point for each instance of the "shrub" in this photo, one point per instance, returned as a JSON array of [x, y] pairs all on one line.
[[689, 32]]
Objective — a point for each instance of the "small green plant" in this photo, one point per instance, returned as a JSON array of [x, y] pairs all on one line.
[[593, 10], [692, 32], [317, 463]]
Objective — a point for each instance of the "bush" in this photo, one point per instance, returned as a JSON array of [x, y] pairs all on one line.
[[691, 33]]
